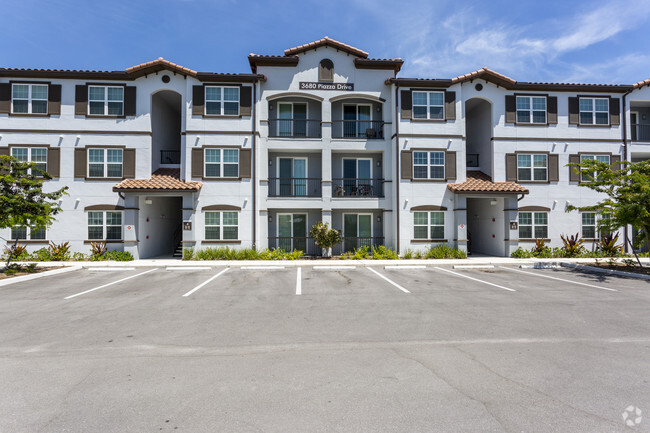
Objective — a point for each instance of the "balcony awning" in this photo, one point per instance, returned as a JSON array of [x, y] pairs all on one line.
[[162, 180], [479, 182]]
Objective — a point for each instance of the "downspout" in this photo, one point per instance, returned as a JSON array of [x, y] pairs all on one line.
[[254, 177], [397, 165], [624, 132]]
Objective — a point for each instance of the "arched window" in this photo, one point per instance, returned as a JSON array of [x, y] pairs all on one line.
[[326, 70]]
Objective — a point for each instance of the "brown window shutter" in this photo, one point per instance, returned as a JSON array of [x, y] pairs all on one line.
[[574, 111], [615, 159], [4, 151], [450, 165], [5, 97], [54, 99], [407, 164], [128, 170], [198, 101], [81, 100], [197, 162], [54, 161], [551, 104], [450, 105], [511, 167], [245, 163], [573, 176], [406, 104], [129, 101], [80, 163], [614, 111], [511, 109], [245, 100], [553, 167]]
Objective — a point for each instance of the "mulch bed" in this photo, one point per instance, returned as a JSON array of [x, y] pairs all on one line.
[[36, 271], [645, 270]]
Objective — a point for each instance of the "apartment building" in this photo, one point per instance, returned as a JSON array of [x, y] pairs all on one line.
[[160, 156]]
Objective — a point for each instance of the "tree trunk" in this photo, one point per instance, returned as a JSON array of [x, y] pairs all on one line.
[[11, 253]]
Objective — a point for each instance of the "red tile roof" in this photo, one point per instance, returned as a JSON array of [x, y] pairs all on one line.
[[163, 179], [477, 181], [326, 41]]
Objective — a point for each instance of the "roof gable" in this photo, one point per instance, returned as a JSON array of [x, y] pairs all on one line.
[[326, 42], [157, 65]]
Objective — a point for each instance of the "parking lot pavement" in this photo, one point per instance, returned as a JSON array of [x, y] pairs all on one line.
[[307, 348]]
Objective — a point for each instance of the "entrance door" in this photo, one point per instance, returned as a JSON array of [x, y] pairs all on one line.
[[357, 231], [293, 176], [293, 119], [357, 174], [634, 121], [292, 232], [357, 120]]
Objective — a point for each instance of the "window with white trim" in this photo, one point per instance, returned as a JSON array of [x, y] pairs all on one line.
[[29, 98], [590, 225], [221, 162], [27, 233], [37, 155], [428, 165], [104, 225], [594, 111], [105, 163], [222, 101], [428, 225], [221, 225], [429, 105], [106, 100], [532, 167], [587, 176], [533, 225], [531, 109]]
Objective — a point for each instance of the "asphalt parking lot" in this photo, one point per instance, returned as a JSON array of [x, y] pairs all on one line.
[[345, 348]]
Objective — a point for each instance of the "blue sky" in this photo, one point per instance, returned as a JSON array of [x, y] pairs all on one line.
[[569, 41]]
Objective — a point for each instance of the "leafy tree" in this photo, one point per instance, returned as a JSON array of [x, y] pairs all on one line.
[[22, 199], [627, 189], [325, 237]]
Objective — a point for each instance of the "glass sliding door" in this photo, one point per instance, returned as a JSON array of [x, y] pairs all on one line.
[[356, 120], [357, 174], [285, 124], [299, 120], [293, 176], [349, 124], [293, 119], [357, 231], [292, 232], [364, 114]]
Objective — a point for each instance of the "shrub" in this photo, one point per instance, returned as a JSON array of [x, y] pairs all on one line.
[[383, 253], [408, 254], [572, 245], [118, 256], [325, 237], [540, 248], [228, 253], [607, 245], [79, 257], [521, 253], [41, 255], [358, 254], [19, 252], [444, 251], [98, 248], [59, 252], [188, 253]]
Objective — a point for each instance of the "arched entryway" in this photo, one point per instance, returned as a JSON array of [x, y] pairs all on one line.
[[166, 118]]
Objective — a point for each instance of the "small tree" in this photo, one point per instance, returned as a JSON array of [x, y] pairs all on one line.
[[627, 190], [325, 237], [22, 199]]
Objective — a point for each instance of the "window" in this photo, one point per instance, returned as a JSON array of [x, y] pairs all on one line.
[[428, 165], [428, 105], [533, 225], [106, 100], [37, 155], [594, 111], [221, 225], [222, 101], [104, 225], [531, 109], [23, 232], [105, 163], [590, 223], [428, 225], [221, 162], [29, 98], [532, 167], [326, 71], [587, 176]]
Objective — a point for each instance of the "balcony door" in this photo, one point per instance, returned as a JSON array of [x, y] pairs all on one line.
[[292, 174], [357, 176], [293, 119], [357, 230], [357, 120], [292, 232]]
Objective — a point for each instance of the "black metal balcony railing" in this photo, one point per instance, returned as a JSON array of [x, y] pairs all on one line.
[[295, 128], [640, 132], [170, 156], [349, 187], [368, 129], [295, 187], [472, 159], [351, 243], [304, 244]]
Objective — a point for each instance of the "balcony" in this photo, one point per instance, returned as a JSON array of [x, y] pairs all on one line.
[[364, 129], [471, 160], [356, 187], [295, 128], [295, 187], [170, 157], [640, 132]]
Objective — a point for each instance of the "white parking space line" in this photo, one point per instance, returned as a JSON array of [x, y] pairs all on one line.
[[390, 281], [187, 268], [110, 284], [299, 282], [262, 268], [405, 267], [473, 266], [332, 268], [110, 269], [475, 279], [205, 282], [558, 279]]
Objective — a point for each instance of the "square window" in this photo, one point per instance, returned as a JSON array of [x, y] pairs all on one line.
[[428, 105]]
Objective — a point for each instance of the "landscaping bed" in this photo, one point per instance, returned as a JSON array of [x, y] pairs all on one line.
[[17, 270], [626, 266]]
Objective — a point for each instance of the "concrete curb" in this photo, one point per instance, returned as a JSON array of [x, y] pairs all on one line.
[[12, 280], [605, 271]]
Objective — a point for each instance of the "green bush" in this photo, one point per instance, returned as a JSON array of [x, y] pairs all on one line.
[[59, 252], [188, 253], [41, 255], [383, 253], [444, 251], [228, 253], [79, 257], [118, 256], [358, 254]]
